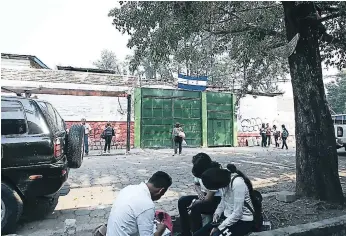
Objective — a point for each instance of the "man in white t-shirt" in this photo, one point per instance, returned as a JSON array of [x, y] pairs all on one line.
[[133, 211], [87, 131]]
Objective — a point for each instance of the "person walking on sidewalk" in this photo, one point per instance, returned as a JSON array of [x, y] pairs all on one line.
[[268, 134], [284, 137], [87, 132], [178, 136], [263, 135], [108, 134]]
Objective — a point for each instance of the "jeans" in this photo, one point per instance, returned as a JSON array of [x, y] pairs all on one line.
[[264, 140], [269, 139], [178, 143], [195, 218], [284, 143], [276, 138], [108, 141], [240, 228], [86, 143]]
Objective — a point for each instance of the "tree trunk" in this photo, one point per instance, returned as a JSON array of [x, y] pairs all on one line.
[[316, 157]]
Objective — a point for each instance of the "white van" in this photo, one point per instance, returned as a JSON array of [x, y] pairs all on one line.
[[340, 130]]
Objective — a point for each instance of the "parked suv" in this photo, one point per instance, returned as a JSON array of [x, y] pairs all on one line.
[[36, 156]]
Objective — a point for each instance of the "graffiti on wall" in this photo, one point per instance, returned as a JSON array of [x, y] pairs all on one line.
[[254, 124], [251, 125]]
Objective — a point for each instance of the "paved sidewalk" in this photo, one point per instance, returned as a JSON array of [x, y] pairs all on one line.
[[95, 185]]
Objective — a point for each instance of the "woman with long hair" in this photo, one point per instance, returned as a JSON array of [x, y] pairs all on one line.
[[235, 205], [205, 202]]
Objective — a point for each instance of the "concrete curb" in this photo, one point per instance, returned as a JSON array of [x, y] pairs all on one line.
[[332, 227]]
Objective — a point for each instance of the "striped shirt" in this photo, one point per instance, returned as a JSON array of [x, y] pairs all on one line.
[[232, 203]]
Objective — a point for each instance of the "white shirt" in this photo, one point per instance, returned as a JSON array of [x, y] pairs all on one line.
[[204, 189], [232, 203], [87, 128], [132, 213]]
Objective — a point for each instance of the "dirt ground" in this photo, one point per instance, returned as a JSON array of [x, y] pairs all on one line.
[[301, 211]]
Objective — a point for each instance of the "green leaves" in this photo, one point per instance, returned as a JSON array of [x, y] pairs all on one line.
[[336, 93], [192, 37]]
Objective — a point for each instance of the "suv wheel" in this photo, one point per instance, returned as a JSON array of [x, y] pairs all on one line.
[[11, 208], [38, 208], [75, 146]]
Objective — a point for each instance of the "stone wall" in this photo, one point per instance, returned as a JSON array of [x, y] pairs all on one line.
[[61, 76], [118, 142]]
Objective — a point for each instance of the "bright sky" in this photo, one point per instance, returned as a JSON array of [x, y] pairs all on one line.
[[60, 32]]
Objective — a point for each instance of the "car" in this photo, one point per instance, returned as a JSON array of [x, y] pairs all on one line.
[[339, 122], [37, 153]]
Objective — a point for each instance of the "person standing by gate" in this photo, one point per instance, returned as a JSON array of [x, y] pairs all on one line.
[[87, 131], [178, 136], [108, 134], [276, 134], [268, 134], [263, 135]]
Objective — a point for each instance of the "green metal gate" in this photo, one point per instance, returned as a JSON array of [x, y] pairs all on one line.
[[161, 109], [220, 119]]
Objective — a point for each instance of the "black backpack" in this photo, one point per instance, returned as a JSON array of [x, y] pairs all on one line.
[[256, 199]]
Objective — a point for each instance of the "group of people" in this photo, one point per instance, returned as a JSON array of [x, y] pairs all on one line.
[[266, 133], [225, 193], [107, 134]]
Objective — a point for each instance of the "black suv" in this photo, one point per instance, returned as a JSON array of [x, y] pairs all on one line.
[[37, 153]]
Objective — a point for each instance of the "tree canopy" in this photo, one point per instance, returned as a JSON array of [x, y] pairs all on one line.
[[336, 93], [252, 38], [109, 61]]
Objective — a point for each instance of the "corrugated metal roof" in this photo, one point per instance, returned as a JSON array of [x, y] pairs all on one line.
[[25, 57]]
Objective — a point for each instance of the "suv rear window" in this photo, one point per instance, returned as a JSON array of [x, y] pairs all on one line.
[[36, 122], [12, 118], [55, 118]]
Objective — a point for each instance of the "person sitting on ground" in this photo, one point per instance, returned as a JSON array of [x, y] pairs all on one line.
[[133, 211], [235, 202], [205, 202]]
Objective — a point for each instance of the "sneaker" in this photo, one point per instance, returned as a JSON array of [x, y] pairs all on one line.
[[109, 151], [104, 152]]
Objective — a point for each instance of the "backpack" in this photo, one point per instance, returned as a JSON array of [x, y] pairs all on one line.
[[256, 199], [285, 133]]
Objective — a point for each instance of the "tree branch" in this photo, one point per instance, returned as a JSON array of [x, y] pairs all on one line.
[[253, 26], [335, 41], [332, 16], [258, 8], [225, 32]]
